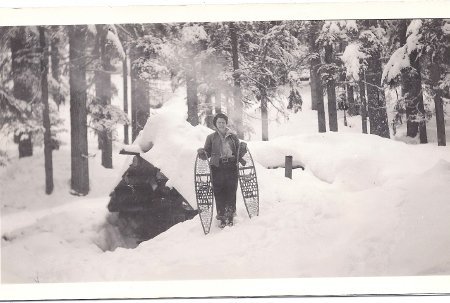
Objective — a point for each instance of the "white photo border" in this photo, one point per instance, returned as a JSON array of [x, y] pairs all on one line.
[[236, 287]]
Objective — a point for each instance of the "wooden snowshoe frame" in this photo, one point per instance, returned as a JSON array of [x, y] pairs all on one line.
[[248, 182], [204, 192]]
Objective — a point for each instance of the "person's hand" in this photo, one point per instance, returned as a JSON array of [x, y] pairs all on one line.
[[243, 146], [242, 149], [202, 154]]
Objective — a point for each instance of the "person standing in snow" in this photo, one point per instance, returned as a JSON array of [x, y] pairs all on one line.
[[222, 147]]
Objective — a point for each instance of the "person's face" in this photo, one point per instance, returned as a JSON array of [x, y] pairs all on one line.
[[221, 124]]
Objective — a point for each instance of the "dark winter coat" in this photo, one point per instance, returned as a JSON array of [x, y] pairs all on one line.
[[213, 146]]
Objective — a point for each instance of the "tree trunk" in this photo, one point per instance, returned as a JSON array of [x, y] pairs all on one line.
[[78, 110], [317, 102], [140, 98], [435, 75], [46, 114], [126, 140], [313, 85], [56, 66], [407, 83], [376, 98], [103, 95], [362, 95], [331, 93], [22, 67], [412, 92], [209, 110], [228, 105], [264, 115], [353, 107], [191, 90], [217, 102], [237, 94]]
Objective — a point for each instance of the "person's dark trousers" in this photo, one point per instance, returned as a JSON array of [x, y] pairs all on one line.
[[225, 181]]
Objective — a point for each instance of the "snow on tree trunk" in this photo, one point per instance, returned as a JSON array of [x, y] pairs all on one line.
[[435, 75], [22, 68], [331, 92], [78, 110], [126, 140], [191, 93], [46, 114], [317, 102], [140, 98], [375, 96], [237, 94], [363, 101], [412, 90], [103, 95]]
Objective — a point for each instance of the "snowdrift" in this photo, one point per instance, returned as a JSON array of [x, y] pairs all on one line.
[[363, 206]]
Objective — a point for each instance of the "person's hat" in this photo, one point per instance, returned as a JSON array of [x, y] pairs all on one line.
[[220, 115]]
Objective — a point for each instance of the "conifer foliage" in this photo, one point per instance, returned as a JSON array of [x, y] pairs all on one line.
[[247, 70]]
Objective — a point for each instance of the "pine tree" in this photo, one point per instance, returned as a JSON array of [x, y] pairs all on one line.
[[433, 37], [331, 87], [270, 51], [363, 100], [140, 97], [131, 37], [107, 46], [25, 68], [209, 109], [191, 92], [315, 79], [237, 93], [412, 91], [78, 110], [103, 92], [46, 113], [372, 45], [126, 139], [422, 61], [333, 36], [57, 39], [24, 117], [354, 57], [353, 107]]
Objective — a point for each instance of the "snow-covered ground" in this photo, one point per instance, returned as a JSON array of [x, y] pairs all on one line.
[[363, 206]]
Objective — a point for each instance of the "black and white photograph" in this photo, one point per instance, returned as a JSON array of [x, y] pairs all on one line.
[[235, 149]]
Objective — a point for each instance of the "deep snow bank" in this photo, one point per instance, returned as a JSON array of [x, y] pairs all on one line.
[[364, 206]]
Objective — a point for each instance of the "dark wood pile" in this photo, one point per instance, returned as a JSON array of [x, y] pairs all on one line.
[[145, 206]]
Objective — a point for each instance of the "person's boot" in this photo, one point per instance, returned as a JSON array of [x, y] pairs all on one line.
[[222, 222], [229, 216], [230, 221]]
